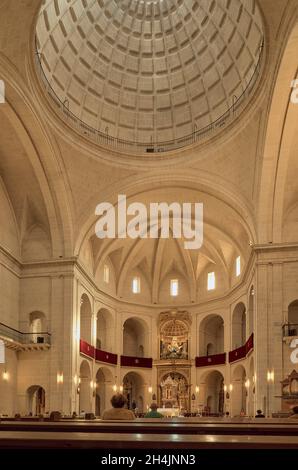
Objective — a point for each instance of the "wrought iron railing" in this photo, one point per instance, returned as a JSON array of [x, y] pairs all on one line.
[[104, 139], [290, 329], [24, 338]]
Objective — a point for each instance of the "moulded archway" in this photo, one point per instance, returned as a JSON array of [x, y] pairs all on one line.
[[239, 326], [211, 335], [85, 388], [85, 319], [104, 330], [239, 392], [212, 393], [293, 317], [104, 383], [36, 399], [135, 337], [134, 391], [37, 325]]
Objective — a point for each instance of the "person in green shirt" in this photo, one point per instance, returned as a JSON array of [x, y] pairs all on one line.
[[153, 413]]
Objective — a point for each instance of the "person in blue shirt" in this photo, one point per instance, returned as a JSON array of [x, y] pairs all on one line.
[[153, 413]]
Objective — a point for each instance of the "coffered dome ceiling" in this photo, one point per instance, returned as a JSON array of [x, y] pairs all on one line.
[[149, 71]]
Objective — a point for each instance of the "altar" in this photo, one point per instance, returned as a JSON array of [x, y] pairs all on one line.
[[169, 412]]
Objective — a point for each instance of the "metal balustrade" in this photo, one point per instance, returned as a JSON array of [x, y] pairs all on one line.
[[17, 336], [146, 147]]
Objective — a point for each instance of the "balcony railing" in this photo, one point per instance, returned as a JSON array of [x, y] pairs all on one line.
[[133, 361], [213, 360], [12, 335], [290, 329], [243, 351]]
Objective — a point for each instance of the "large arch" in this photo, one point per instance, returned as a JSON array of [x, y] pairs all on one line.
[[104, 330], [211, 335], [238, 326], [135, 337], [85, 388], [85, 319], [212, 392], [134, 391], [37, 325], [104, 384], [239, 392], [293, 317], [36, 400]]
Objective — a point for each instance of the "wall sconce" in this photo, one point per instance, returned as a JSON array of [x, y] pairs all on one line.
[[115, 388], [121, 388], [150, 389], [247, 383], [60, 378], [5, 376], [193, 397], [75, 379], [270, 376], [225, 388], [197, 389], [231, 387]]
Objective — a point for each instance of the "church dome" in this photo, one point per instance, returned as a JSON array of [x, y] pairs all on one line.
[[149, 75]]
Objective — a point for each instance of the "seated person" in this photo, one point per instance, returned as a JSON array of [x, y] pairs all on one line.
[[295, 412], [259, 414], [153, 413], [118, 411]]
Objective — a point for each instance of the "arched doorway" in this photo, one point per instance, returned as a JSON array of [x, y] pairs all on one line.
[[211, 335], [37, 325], [135, 337], [239, 392], [212, 393], [104, 381], [104, 329], [134, 391], [239, 326], [85, 388], [36, 397], [293, 318], [85, 319]]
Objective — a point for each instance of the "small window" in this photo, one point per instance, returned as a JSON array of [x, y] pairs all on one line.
[[136, 285], [106, 274], [238, 266], [174, 287], [211, 281]]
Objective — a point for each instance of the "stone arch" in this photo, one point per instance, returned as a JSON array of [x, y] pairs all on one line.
[[104, 329], [85, 388], [36, 400], [135, 336], [37, 325], [211, 335], [104, 383], [239, 392], [212, 392], [85, 319], [239, 326], [134, 390]]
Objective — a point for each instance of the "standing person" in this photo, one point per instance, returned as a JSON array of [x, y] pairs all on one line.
[[118, 411], [153, 413]]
